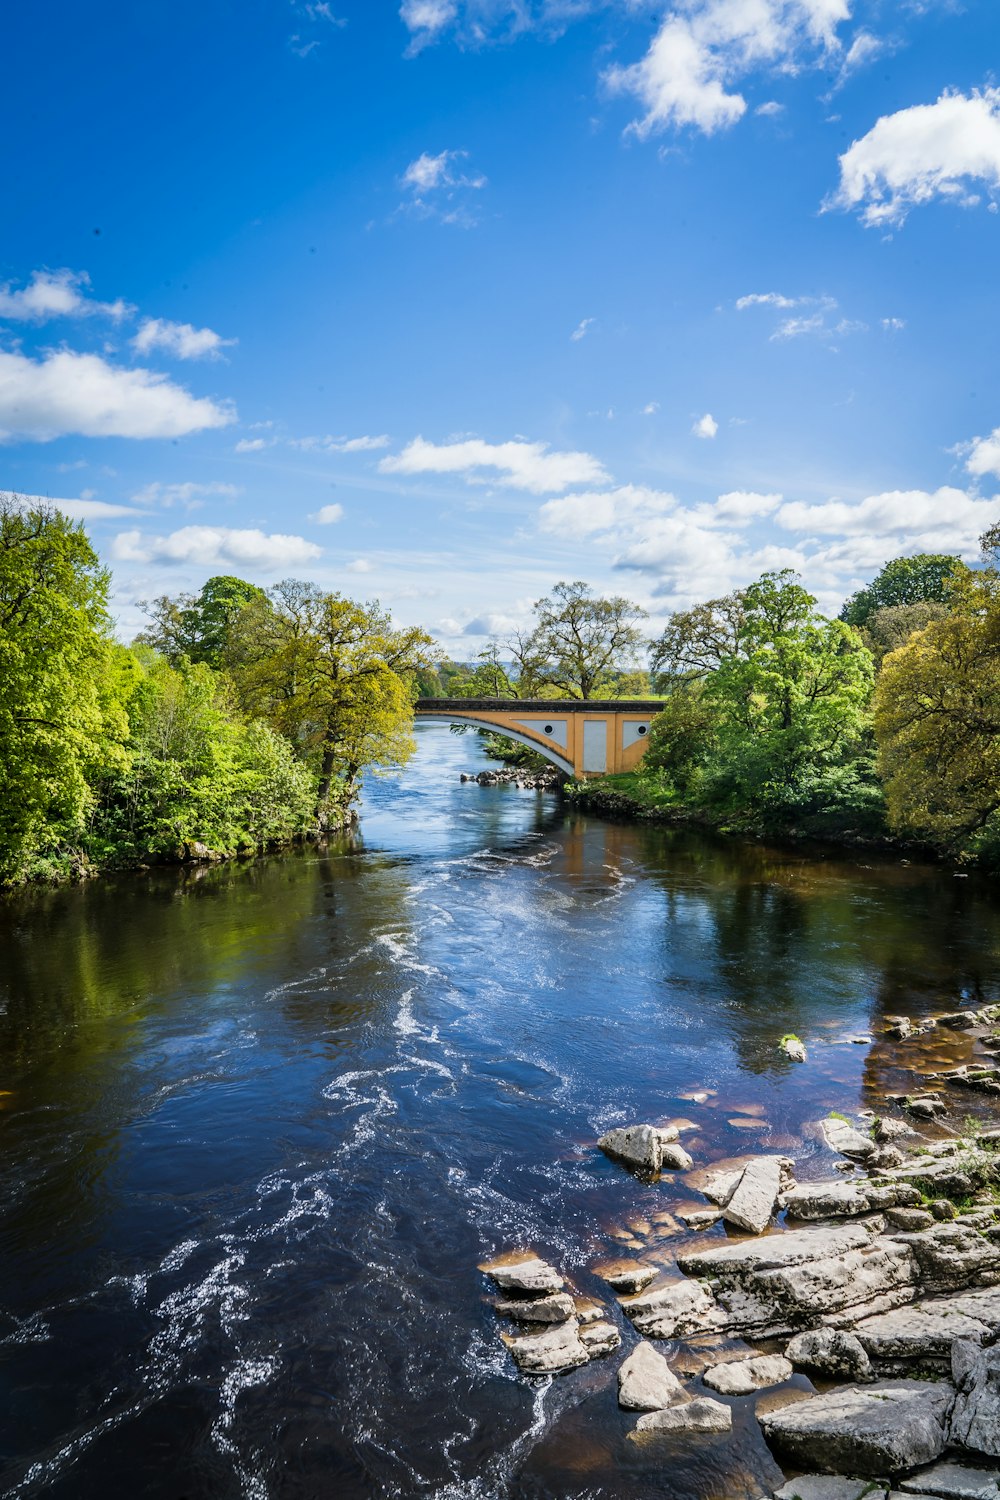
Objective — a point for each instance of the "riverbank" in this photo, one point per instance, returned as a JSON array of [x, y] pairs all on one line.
[[845, 1300], [633, 797]]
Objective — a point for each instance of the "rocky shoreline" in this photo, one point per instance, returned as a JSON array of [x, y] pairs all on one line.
[[858, 1312], [550, 779]]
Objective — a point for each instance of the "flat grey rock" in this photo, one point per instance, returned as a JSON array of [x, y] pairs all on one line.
[[833, 1352], [627, 1276], [840, 1135], [672, 1311], [926, 1329], [954, 1482], [674, 1158], [525, 1273], [702, 1415], [647, 1383], [752, 1202], [828, 1487], [975, 1421], [599, 1338], [556, 1307], [873, 1430], [838, 1199], [740, 1377], [558, 1348]]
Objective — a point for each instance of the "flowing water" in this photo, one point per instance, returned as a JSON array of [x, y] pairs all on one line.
[[259, 1124]]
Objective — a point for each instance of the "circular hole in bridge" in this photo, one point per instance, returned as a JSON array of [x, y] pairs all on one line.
[[548, 729], [642, 729]]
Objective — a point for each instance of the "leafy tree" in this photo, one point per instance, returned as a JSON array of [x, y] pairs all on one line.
[[333, 676], [682, 737], [905, 580], [889, 628], [583, 639], [937, 719], [197, 773], [697, 641], [489, 679], [63, 682], [792, 705], [196, 627]]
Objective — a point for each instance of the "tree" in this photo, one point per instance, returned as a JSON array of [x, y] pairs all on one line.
[[333, 676], [196, 627], [63, 682], [937, 719], [697, 641], [583, 639], [791, 703], [889, 628], [905, 580], [682, 737], [489, 679], [197, 772]]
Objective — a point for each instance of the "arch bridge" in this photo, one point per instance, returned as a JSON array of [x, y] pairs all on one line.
[[583, 737]]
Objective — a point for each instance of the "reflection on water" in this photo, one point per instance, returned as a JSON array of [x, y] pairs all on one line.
[[260, 1123]]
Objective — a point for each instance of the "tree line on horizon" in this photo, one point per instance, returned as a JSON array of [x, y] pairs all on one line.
[[241, 718]]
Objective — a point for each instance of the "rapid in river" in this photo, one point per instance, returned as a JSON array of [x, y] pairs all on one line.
[[262, 1121]]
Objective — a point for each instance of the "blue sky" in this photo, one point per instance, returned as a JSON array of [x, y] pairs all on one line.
[[441, 302]]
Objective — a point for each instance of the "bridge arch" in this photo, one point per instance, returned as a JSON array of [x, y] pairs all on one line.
[[505, 731]]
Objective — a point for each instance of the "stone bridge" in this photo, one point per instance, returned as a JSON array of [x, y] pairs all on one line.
[[583, 737]]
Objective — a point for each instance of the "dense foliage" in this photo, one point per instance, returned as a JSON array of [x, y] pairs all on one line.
[[238, 720]]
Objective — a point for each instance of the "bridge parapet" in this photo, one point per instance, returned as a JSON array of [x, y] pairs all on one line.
[[583, 737]]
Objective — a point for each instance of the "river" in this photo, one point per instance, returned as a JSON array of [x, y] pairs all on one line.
[[260, 1122]]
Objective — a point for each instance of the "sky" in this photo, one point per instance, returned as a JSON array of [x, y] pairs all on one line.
[[441, 302]]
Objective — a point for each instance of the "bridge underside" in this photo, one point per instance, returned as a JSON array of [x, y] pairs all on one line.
[[583, 738]]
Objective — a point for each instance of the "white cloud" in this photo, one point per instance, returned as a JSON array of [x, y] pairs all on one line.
[[740, 507], [594, 511], [766, 299], [440, 189], [520, 464], [953, 518], [328, 444], [84, 509], [427, 19], [704, 46], [984, 455], [56, 294], [893, 325], [182, 340], [212, 546], [770, 107], [251, 445], [65, 393], [650, 408], [580, 331], [359, 565], [188, 494], [706, 426], [327, 515], [924, 152]]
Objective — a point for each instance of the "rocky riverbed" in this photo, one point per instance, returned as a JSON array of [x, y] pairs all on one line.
[[548, 779], [857, 1310]]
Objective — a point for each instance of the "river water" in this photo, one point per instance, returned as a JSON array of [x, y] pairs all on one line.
[[259, 1124]]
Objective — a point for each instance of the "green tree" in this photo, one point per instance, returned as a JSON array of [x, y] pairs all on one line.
[[937, 720], [905, 580], [198, 773], [792, 705], [63, 682], [697, 641], [682, 737], [333, 676], [580, 640], [488, 679], [196, 627]]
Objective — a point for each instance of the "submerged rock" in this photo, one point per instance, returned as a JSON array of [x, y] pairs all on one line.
[[873, 1429], [647, 1383], [626, 1275], [833, 1352], [740, 1377], [701, 1415], [793, 1047]]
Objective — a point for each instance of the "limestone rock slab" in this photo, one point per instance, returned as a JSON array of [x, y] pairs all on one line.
[[872, 1429], [672, 1311], [702, 1415], [833, 1352], [558, 1348], [752, 1203], [740, 1377], [525, 1274]]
